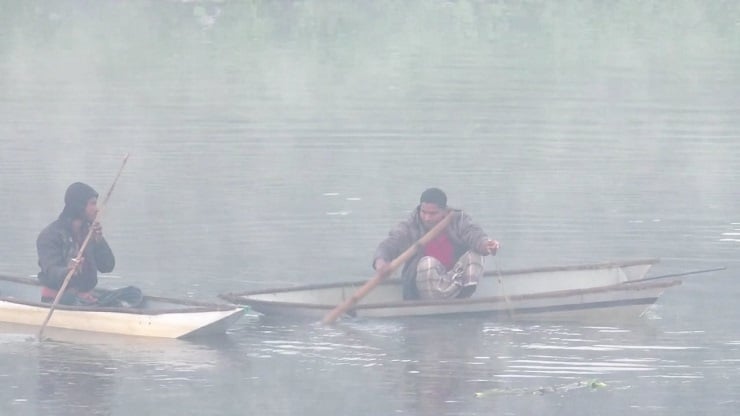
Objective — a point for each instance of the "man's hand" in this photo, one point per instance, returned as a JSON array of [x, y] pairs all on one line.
[[97, 231], [382, 266], [489, 247], [77, 266]]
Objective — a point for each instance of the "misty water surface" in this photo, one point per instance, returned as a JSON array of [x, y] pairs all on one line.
[[275, 143]]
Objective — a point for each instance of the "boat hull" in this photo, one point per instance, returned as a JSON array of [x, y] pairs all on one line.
[[160, 317], [610, 290]]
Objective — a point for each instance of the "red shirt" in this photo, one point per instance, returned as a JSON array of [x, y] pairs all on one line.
[[441, 249]]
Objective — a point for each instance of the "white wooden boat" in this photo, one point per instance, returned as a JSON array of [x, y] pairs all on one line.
[[615, 288], [158, 316]]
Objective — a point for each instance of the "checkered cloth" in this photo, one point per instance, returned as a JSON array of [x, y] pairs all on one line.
[[433, 281]]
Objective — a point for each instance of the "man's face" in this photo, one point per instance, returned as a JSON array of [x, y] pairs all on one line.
[[431, 214], [91, 210]]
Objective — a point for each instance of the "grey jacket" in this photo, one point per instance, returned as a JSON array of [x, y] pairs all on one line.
[[463, 233], [56, 247]]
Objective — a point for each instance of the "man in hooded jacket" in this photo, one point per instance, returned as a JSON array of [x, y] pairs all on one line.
[[58, 244]]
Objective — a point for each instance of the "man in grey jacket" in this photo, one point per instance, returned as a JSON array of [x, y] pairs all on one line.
[[451, 264], [57, 246]]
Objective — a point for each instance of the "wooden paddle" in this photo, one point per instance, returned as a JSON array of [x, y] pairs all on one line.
[[76, 261], [382, 274]]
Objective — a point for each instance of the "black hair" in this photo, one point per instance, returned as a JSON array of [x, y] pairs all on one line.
[[434, 196]]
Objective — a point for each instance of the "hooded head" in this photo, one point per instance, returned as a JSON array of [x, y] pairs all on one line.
[[76, 199]]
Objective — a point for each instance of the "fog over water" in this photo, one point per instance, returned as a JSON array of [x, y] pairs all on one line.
[[275, 143]]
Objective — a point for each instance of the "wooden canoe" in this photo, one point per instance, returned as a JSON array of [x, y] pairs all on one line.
[[548, 292], [158, 317]]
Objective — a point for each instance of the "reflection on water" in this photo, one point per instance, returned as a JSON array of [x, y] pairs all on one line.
[[473, 366], [74, 372], [440, 363], [72, 380], [55, 378], [417, 366]]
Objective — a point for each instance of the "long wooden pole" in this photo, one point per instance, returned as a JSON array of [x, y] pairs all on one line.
[[667, 276], [382, 274], [78, 258]]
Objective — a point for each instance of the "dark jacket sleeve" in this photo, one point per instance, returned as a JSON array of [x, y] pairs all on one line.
[[399, 239], [50, 249], [104, 258], [470, 233]]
